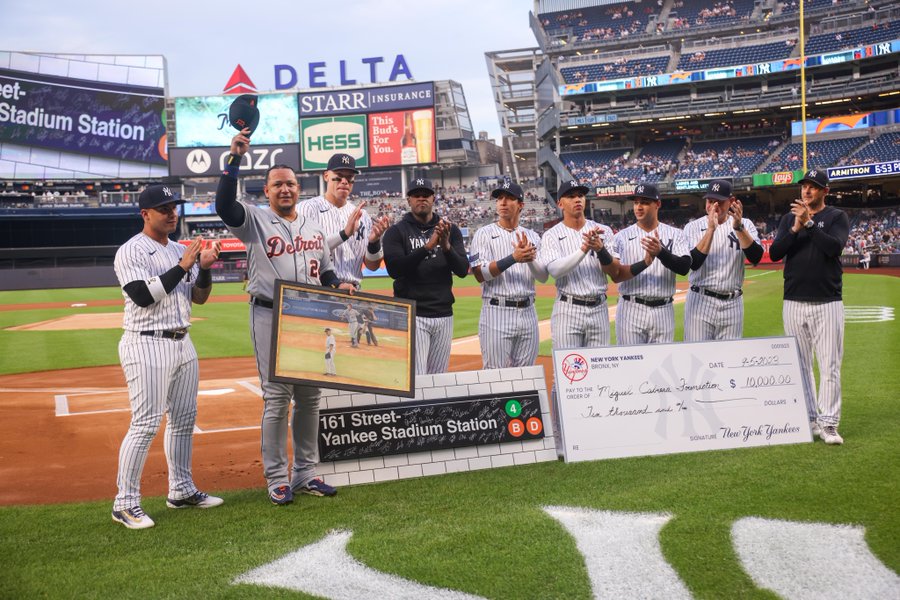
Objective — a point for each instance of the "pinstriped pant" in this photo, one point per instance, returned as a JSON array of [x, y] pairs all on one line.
[[640, 324], [708, 318], [508, 336], [162, 377], [433, 339], [819, 329], [573, 326]]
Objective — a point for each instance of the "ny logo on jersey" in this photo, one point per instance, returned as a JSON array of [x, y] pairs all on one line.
[[361, 232], [669, 243], [733, 243]]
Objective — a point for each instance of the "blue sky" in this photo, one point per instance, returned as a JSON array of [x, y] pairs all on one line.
[[203, 41]]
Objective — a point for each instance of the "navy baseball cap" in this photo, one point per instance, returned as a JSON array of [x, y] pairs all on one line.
[[570, 186], [244, 112], [342, 162], [645, 190], [157, 195], [718, 189], [510, 187], [420, 184], [817, 177]]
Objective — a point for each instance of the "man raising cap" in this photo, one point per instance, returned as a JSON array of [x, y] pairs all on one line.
[[811, 238], [352, 237], [421, 253], [503, 261], [715, 305]]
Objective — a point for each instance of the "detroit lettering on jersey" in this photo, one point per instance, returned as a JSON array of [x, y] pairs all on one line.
[[655, 281], [276, 245]]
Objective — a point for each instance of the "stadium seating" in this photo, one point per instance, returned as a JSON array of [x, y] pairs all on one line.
[[728, 57], [725, 158], [829, 42], [885, 148], [819, 154], [612, 167], [693, 14], [597, 23], [630, 68], [793, 6]]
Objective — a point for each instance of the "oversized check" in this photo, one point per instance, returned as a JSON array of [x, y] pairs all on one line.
[[665, 398]]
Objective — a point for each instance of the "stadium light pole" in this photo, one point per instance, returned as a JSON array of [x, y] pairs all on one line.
[[803, 81]]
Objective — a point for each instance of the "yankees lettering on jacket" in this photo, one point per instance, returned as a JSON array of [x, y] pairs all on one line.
[[276, 245]]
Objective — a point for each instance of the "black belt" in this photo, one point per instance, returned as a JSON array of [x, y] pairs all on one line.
[[510, 303], [174, 334], [583, 301], [260, 302], [649, 301], [717, 295]]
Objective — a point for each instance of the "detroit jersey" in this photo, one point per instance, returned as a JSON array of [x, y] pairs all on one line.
[[347, 258], [723, 269], [586, 280], [292, 250], [656, 281], [141, 259], [491, 243]]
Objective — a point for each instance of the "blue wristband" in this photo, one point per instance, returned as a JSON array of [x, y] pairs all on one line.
[[505, 263]]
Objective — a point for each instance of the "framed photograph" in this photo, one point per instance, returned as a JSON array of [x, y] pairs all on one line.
[[329, 339]]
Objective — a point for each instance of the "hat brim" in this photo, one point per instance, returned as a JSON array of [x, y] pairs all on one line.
[[496, 194], [638, 196], [342, 168], [716, 197], [814, 182], [410, 191], [158, 204], [578, 188]]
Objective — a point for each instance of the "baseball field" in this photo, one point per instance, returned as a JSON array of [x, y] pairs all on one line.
[[832, 511]]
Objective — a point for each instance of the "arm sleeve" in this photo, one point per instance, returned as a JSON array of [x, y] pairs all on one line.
[[227, 207], [398, 263], [698, 258], [833, 242], [456, 256], [329, 278], [140, 293], [784, 238], [754, 252], [679, 264], [563, 266]]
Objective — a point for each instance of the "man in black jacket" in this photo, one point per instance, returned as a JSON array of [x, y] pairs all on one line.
[[421, 254], [811, 238]]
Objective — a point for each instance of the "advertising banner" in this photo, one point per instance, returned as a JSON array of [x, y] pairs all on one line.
[[378, 183], [210, 162], [779, 178], [367, 100], [401, 138], [869, 170], [694, 185], [86, 117], [322, 137], [202, 121], [664, 398]]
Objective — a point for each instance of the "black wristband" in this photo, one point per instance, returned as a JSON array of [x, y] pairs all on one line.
[[739, 227], [204, 278], [374, 247], [234, 159], [638, 267], [344, 236], [505, 263], [604, 256]]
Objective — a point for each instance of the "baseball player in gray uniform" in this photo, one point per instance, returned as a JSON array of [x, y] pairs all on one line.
[[645, 313], [159, 279], [503, 260], [353, 237], [330, 349], [352, 316], [811, 238], [714, 309], [281, 244]]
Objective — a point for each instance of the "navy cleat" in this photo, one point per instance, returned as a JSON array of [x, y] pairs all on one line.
[[317, 487], [281, 495], [198, 500]]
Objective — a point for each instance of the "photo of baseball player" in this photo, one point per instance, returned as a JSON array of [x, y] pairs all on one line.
[[720, 241], [160, 279], [504, 261], [645, 313], [354, 239], [810, 239], [370, 318], [330, 349], [281, 244], [352, 316], [422, 252]]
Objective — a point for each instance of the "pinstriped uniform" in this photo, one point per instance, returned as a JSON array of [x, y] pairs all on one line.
[[162, 374], [707, 317], [637, 323], [434, 336], [508, 334], [296, 251], [347, 258], [330, 349], [573, 325]]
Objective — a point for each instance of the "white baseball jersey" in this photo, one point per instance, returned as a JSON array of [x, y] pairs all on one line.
[[280, 249], [656, 281], [723, 269], [491, 243], [347, 257], [144, 259], [587, 280]]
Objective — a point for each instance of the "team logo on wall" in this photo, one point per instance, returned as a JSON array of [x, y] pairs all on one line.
[[323, 136]]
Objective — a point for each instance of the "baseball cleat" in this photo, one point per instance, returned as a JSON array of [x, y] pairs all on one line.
[[830, 435], [198, 500], [317, 487], [281, 495], [815, 428], [133, 518]]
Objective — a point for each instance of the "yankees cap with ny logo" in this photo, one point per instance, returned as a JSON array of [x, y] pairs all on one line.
[[342, 162]]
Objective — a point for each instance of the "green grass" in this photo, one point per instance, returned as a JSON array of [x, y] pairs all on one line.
[[483, 532]]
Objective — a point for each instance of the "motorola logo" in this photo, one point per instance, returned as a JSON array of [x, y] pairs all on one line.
[[198, 161]]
